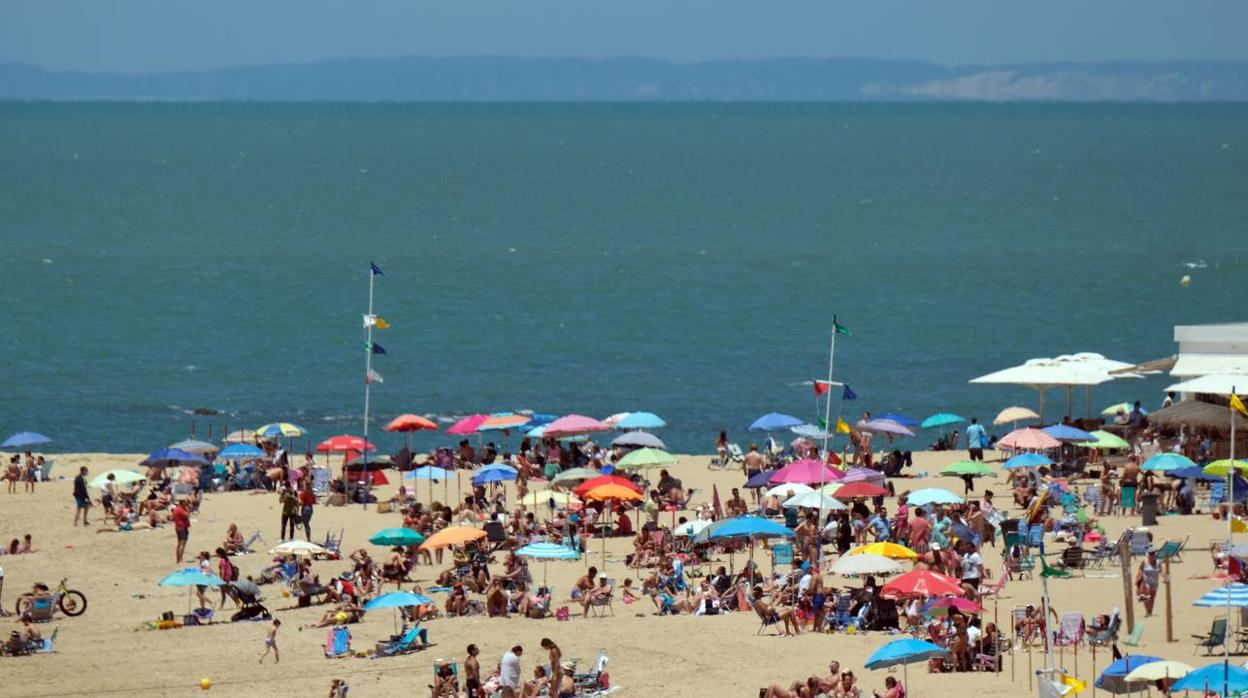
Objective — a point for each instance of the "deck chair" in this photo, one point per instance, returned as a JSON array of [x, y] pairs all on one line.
[[45, 471], [1098, 555], [1133, 639], [1021, 566], [1093, 496], [994, 590], [320, 480], [445, 686], [1073, 558], [841, 616], [781, 554], [1014, 539], [338, 642], [333, 545], [1215, 638], [40, 608], [1070, 631], [605, 602], [1018, 615], [1141, 542], [1107, 635], [766, 621], [407, 642], [1171, 549], [495, 534], [734, 454], [250, 543]]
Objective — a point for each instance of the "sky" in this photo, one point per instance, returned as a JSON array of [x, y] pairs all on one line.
[[156, 35]]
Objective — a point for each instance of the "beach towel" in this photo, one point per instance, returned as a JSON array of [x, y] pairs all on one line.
[[1127, 497]]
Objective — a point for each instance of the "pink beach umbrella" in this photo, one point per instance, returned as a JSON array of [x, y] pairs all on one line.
[[574, 424], [805, 472], [1027, 438], [467, 425], [862, 475]]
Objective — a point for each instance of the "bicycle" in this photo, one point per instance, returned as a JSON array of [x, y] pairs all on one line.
[[71, 601]]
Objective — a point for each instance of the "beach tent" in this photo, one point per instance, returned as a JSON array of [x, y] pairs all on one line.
[[1085, 369]]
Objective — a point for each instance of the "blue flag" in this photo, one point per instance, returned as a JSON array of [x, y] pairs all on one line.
[[376, 269], [848, 394], [378, 349]]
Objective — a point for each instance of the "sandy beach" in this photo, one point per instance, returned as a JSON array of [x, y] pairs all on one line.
[[105, 651]]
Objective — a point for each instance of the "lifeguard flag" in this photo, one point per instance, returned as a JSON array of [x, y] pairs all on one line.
[[378, 349], [1237, 404], [716, 508], [381, 324], [841, 426], [848, 394], [821, 388], [375, 269], [373, 377], [840, 329]]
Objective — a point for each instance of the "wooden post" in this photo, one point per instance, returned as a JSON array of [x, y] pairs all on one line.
[[1169, 608], [1014, 649], [1128, 594]]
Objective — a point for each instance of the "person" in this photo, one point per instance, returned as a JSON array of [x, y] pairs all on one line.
[[226, 570], [270, 642], [290, 511], [472, 673], [1136, 419], [975, 438], [892, 689], [721, 448], [82, 498], [234, 543], [754, 462], [1127, 485], [307, 499], [181, 526], [1147, 580], [1168, 401], [776, 614], [509, 672], [556, 661], [847, 689], [736, 504]]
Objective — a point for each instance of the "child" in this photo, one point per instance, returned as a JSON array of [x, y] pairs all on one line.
[[627, 592], [270, 643]]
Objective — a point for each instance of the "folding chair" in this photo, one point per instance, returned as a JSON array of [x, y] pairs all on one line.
[[338, 642], [601, 602], [251, 541], [1213, 640], [781, 554]]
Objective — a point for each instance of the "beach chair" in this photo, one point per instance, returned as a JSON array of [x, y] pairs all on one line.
[[1093, 496], [333, 545], [251, 541], [735, 454], [338, 642], [445, 679], [1073, 558], [1213, 640], [40, 608], [320, 480], [1014, 539], [781, 554], [406, 642], [1141, 542], [1035, 536], [1021, 566], [605, 602], [1133, 638], [1171, 550], [994, 590], [767, 621], [1107, 635], [1070, 630], [45, 471], [841, 616]]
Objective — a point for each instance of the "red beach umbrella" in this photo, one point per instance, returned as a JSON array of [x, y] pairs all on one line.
[[922, 583], [855, 490]]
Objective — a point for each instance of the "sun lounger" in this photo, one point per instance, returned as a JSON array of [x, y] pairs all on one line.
[[338, 642], [1070, 630], [416, 638], [1107, 635]]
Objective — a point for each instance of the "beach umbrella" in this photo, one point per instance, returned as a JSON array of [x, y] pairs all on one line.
[[1113, 679], [944, 605], [574, 424], [690, 528], [788, 489], [933, 495], [773, 421], [1027, 460], [1223, 466], [806, 471], [547, 552], [500, 422], [452, 535], [121, 477], [641, 439], [1221, 679], [892, 551], [886, 426], [831, 488], [396, 536], [921, 583], [195, 446], [494, 473], [1028, 438], [1167, 462], [646, 458], [1014, 414], [23, 440], [1228, 595], [467, 425], [536, 432], [540, 419], [862, 475], [600, 480], [641, 420], [280, 430], [858, 565], [240, 451], [1105, 441], [545, 497], [941, 419], [1123, 407], [1065, 432], [610, 490], [191, 577], [410, 423], [431, 473], [297, 547], [375, 478], [575, 475], [374, 460], [167, 457], [760, 480], [855, 490], [242, 436], [969, 467], [398, 599], [1159, 671], [905, 652], [1195, 472], [615, 419], [813, 500], [344, 443], [903, 420], [749, 526]]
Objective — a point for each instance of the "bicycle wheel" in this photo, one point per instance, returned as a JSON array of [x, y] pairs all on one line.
[[21, 601], [73, 603]]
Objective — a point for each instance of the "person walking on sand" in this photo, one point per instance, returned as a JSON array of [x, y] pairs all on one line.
[[82, 498], [509, 672], [975, 438], [181, 526], [270, 643], [556, 661], [472, 673]]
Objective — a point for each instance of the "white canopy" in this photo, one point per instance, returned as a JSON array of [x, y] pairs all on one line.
[[1217, 384], [1066, 371]]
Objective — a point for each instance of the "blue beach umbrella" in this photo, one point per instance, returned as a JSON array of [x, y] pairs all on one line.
[[1221, 678], [1167, 462], [167, 457], [540, 419], [428, 472], [1195, 472], [749, 526], [1229, 595], [1065, 432], [191, 577], [932, 495], [1113, 679], [641, 420], [901, 419], [240, 452], [494, 473], [941, 419], [396, 536], [774, 420], [25, 439], [536, 432], [398, 599], [762, 479], [904, 652], [1027, 460]]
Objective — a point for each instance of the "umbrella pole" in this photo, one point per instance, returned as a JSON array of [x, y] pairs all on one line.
[[1093, 682]]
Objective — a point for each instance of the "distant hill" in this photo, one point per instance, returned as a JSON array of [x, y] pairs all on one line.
[[492, 79]]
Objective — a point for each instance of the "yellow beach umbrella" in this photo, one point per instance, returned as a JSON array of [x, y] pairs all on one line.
[[1220, 468], [1156, 671], [284, 430], [892, 551], [543, 498]]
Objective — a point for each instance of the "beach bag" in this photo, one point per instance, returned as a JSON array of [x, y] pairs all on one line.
[[231, 571], [562, 613]]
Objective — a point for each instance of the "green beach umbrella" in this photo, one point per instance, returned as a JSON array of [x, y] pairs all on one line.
[[968, 467], [1123, 407], [646, 458], [1219, 468], [1105, 441], [120, 477], [575, 476], [396, 536], [941, 419]]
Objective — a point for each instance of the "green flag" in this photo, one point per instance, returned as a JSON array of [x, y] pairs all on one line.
[[840, 329]]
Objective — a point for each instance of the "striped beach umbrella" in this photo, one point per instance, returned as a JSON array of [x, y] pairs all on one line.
[[1236, 594]]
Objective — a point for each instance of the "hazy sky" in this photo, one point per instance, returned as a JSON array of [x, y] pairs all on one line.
[[143, 35]]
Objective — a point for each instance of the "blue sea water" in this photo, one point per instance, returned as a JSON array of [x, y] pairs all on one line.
[[682, 259]]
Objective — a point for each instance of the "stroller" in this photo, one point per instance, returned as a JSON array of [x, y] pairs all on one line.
[[250, 607]]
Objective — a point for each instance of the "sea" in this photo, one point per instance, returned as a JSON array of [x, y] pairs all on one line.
[[683, 259]]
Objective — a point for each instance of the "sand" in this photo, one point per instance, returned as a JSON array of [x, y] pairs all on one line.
[[103, 652]]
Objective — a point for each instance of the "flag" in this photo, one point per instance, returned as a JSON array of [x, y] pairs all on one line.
[[840, 329], [848, 394], [375, 269], [381, 323], [373, 377], [1074, 683], [716, 508], [1237, 404], [841, 426], [377, 348], [821, 388]]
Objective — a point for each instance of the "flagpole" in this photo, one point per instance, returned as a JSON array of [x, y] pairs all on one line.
[[368, 372], [1230, 542], [827, 410]]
